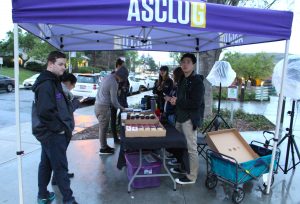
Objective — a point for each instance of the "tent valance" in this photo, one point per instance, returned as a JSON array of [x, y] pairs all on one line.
[[161, 25]]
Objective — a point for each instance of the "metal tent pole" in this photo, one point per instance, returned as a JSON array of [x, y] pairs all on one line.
[[17, 111], [198, 63], [279, 110]]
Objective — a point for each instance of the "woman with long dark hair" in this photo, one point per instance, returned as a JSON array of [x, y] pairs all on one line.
[[163, 87]]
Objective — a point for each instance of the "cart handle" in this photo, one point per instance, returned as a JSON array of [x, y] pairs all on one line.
[[269, 132]]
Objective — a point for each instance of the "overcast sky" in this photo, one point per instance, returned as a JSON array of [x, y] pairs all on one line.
[[163, 57]]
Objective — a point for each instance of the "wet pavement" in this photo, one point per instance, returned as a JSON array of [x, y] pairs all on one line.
[[97, 180]]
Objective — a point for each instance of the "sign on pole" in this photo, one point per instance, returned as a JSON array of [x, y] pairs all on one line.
[[232, 95]]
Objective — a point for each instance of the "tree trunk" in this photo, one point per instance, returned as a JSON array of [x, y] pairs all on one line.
[[207, 60]]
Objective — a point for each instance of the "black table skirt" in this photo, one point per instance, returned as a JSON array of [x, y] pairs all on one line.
[[174, 140]]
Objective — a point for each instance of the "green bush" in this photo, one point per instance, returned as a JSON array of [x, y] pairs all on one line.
[[36, 67], [8, 62], [249, 94], [241, 120], [216, 93]]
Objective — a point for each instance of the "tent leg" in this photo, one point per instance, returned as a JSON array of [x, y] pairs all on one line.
[[198, 63], [278, 117], [70, 65], [17, 112]]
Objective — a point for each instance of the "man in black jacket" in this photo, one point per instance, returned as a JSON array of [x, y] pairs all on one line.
[[52, 125], [189, 113]]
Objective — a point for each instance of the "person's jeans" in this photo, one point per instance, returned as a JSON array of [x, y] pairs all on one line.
[[103, 115], [171, 119], [54, 158], [191, 137]]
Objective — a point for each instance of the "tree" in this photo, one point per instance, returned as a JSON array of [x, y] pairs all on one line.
[[151, 63], [148, 60], [104, 59], [30, 46], [132, 59], [259, 65], [176, 56], [40, 50]]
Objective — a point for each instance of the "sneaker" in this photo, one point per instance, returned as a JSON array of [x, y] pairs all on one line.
[[173, 162], [177, 171], [107, 150], [48, 200], [184, 180]]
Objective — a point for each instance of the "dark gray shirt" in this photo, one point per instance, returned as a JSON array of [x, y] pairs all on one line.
[[107, 92]]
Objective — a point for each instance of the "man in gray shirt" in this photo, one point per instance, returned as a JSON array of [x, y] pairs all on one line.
[[107, 96]]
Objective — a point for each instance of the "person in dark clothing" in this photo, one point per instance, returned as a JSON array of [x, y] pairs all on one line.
[[52, 125], [170, 109], [68, 82], [189, 113], [162, 87], [123, 89]]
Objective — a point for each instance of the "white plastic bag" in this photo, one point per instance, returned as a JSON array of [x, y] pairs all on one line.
[[221, 73], [292, 79]]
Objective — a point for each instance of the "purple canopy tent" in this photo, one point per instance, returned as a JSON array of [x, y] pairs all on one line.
[[153, 25], [162, 26]]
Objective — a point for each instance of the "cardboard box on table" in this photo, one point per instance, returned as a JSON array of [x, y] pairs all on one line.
[[161, 132], [231, 143]]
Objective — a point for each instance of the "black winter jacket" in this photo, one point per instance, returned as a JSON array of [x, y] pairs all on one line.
[[51, 111], [193, 102]]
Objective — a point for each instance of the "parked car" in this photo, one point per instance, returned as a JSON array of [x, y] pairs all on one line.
[[142, 82], [87, 86], [146, 83], [134, 85], [28, 83], [150, 81], [7, 83]]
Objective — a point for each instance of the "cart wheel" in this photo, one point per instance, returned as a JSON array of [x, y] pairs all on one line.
[[211, 181], [272, 181], [238, 195]]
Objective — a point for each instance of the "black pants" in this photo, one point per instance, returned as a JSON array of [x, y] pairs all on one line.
[[54, 158], [113, 121]]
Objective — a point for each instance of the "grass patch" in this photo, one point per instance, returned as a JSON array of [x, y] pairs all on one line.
[[242, 121], [24, 73]]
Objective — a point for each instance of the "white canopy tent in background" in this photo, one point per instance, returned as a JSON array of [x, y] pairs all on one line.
[[160, 25]]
